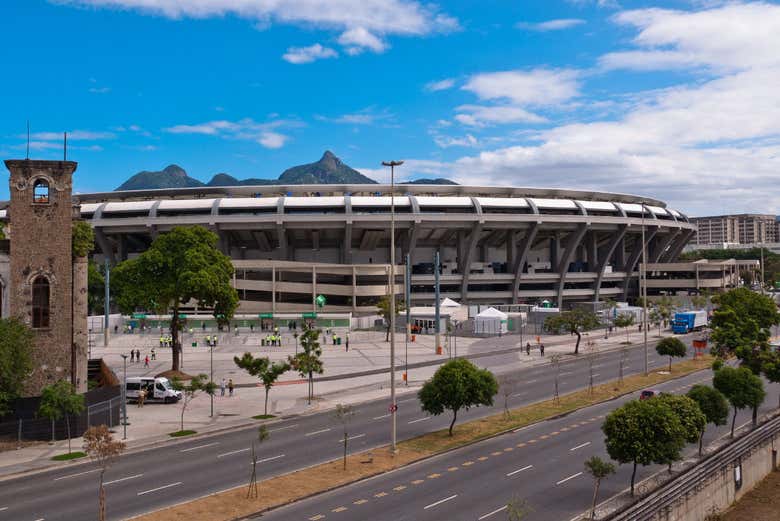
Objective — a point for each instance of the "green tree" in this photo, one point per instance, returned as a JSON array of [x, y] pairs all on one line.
[[656, 318], [190, 389], [691, 416], [712, 403], [574, 321], [180, 266], [58, 400], [741, 388], [518, 508], [344, 414], [16, 343], [96, 288], [261, 367], [457, 385], [599, 470], [308, 361], [643, 432], [384, 311], [672, 347], [624, 320], [83, 239]]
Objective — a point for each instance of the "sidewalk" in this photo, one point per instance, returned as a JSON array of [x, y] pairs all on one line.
[[150, 425]]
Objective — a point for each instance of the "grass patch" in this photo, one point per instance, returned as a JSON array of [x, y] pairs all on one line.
[[263, 416], [290, 487], [179, 434], [69, 456]]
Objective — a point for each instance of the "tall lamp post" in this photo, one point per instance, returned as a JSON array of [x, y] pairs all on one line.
[[124, 397], [211, 376], [393, 406], [643, 289]]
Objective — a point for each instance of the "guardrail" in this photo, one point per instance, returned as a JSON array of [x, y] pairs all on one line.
[[666, 495]]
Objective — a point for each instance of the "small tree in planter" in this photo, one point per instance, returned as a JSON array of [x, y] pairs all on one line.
[[189, 391], [599, 469], [308, 361], [104, 450], [262, 368], [344, 414], [262, 435], [671, 347], [625, 320]]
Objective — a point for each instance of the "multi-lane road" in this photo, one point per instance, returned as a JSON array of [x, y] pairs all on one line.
[[186, 469]]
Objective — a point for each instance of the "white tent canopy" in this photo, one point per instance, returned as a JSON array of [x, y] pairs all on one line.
[[491, 322], [449, 303]]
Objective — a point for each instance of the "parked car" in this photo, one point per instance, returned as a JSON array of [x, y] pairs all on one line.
[[648, 393]]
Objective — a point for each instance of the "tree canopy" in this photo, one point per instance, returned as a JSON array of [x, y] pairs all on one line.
[[712, 404], [574, 321], [457, 385], [741, 388], [687, 410], [16, 342], [643, 432], [180, 266], [60, 400], [671, 346], [308, 361], [83, 239], [384, 311], [263, 368]]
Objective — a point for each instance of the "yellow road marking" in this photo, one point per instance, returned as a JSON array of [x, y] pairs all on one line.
[[418, 481], [509, 449], [452, 469], [317, 517], [497, 453], [532, 441], [399, 488], [360, 502], [380, 494], [467, 463], [543, 437], [434, 476], [520, 445], [482, 458]]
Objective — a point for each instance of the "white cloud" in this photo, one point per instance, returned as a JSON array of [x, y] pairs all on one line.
[[245, 129], [99, 90], [299, 55], [480, 115], [272, 140], [366, 116], [358, 38], [534, 87], [448, 141], [73, 135], [732, 37], [362, 23], [436, 86], [551, 25]]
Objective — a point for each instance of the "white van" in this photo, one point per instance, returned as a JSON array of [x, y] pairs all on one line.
[[156, 389]]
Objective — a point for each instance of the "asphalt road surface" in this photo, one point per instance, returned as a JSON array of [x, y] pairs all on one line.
[[541, 464], [181, 470]]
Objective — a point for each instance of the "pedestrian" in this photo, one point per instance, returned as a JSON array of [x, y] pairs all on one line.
[[203, 326], [116, 328], [230, 387], [251, 328], [141, 396], [137, 355], [541, 349], [154, 354], [132, 356], [146, 361], [222, 387], [528, 348], [334, 338], [346, 341]]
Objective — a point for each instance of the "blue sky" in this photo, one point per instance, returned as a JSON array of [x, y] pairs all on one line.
[[671, 99]]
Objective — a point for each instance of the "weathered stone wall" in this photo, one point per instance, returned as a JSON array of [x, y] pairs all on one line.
[[80, 340], [41, 245]]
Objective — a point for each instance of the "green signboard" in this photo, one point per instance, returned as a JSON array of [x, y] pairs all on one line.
[[310, 314], [266, 315], [139, 315], [182, 315]]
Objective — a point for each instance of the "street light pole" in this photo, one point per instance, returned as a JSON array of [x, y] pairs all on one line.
[[211, 376], [124, 398], [393, 406], [643, 289]]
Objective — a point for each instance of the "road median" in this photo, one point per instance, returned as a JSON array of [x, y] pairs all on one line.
[[274, 492]]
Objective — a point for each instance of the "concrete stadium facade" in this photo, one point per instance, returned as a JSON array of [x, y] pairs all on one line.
[[497, 245]]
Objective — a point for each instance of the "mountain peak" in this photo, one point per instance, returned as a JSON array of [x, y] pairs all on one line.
[[328, 170], [175, 171]]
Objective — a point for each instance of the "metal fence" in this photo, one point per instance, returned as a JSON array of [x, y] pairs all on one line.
[[107, 412]]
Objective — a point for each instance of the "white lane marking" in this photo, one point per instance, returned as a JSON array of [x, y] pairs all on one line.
[[77, 474], [530, 381], [566, 372], [519, 470], [596, 374], [3, 508], [159, 488], [519, 394], [39, 519], [420, 419], [439, 502], [123, 479], [579, 446], [269, 459], [381, 417], [496, 511], [317, 432], [232, 452], [564, 480], [200, 447], [283, 428], [352, 437]]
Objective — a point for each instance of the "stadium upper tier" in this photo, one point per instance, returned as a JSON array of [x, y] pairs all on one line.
[[497, 244]]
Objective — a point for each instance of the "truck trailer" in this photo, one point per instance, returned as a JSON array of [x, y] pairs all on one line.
[[688, 321]]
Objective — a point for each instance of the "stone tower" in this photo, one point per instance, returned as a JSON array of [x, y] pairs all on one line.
[[41, 292]]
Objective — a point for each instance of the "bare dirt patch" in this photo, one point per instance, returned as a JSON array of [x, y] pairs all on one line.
[[760, 504]]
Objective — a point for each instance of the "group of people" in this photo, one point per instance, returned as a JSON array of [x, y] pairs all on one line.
[[229, 386], [273, 339], [211, 340], [135, 356], [166, 341]]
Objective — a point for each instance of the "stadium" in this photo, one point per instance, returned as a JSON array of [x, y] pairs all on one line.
[[497, 245]]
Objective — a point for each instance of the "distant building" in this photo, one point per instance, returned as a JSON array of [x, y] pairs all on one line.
[[735, 229]]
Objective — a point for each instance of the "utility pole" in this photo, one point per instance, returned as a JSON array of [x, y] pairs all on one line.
[[107, 303], [211, 376], [437, 296], [124, 398], [408, 299], [393, 405], [643, 289]]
